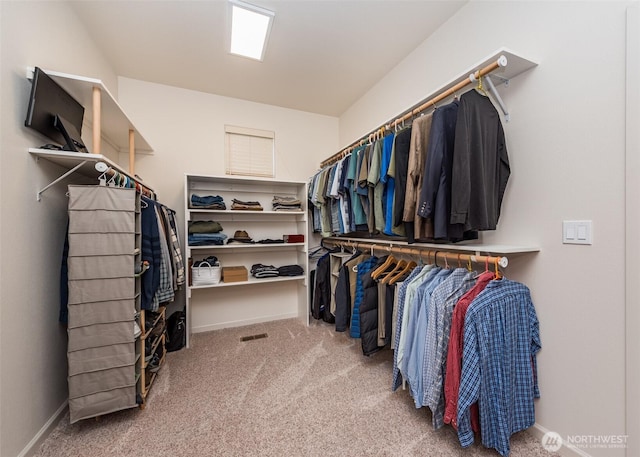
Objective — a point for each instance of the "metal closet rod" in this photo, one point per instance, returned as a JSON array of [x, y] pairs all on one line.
[[501, 62], [417, 251]]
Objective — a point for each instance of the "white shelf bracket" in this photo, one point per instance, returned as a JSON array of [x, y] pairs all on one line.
[[502, 61], [73, 170], [497, 97]]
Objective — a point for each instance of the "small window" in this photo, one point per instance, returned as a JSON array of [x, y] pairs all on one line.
[[249, 152]]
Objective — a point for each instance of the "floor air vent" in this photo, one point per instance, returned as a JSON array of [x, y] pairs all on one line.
[[254, 337]]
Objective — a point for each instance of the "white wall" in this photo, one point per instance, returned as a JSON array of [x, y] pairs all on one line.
[[566, 145], [186, 130], [33, 362]]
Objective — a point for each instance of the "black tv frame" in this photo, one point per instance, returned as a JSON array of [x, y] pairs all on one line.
[[54, 113]]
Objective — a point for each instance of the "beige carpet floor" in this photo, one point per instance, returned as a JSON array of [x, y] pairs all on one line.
[[302, 391]]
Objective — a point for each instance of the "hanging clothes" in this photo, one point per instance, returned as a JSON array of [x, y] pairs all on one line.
[[422, 227], [346, 291], [369, 311], [151, 253], [376, 183], [435, 195], [363, 268], [499, 368], [401, 160], [443, 301], [454, 355], [480, 164], [387, 173], [396, 378]]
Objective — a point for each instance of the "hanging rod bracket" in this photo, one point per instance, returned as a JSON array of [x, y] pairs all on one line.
[[73, 170], [496, 95]]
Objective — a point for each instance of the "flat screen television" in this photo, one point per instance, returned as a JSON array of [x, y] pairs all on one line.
[[55, 113]]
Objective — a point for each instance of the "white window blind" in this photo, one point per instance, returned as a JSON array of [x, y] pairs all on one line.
[[249, 152]]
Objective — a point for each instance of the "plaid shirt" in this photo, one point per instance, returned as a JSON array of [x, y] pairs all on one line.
[[443, 300], [499, 370], [396, 380]]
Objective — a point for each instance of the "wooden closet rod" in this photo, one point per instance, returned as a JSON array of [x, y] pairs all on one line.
[[419, 251], [501, 62], [107, 170]]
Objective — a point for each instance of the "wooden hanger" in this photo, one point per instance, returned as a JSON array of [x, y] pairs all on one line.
[[407, 268], [387, 263], [399, 266]]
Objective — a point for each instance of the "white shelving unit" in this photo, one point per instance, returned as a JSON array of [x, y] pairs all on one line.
[[228, 304]]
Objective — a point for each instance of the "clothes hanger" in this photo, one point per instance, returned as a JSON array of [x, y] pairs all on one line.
[[381, 269], [408, 267], [399, 266], [497, 270], [479, 88]]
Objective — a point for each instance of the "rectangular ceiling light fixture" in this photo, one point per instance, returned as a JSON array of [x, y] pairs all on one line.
[[250, 27]]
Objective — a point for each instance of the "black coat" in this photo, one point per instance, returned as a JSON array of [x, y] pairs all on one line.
[[369, 312], [321, 306]]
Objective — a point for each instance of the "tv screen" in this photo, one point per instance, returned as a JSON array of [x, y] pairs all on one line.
[[54, 112]]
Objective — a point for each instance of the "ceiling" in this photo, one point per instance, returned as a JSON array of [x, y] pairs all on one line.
[[322, 55]]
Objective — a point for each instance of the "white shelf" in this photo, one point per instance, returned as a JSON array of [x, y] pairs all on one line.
[[245, 246], [238, 212], [115, 124], [264, 183], [251, 281], [469, 247], [78, 162]]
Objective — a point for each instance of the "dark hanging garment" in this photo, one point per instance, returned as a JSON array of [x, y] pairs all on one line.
[[343, 300], [402, 145], [435, 195], [152, 253], [322, 294], [480, 164], [369, 312]]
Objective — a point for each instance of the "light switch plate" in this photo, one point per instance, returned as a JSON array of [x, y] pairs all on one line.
[[577, 232]]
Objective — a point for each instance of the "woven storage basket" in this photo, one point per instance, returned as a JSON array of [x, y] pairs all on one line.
[[205, 274]]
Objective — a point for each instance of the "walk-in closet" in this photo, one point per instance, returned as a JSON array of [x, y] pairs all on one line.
[[398, 228]]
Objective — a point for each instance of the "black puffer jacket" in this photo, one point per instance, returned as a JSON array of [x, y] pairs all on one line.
[[369, 312]]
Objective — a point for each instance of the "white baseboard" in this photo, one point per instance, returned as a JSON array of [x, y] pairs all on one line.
[[44, 432], [567, 450], [241, 323]]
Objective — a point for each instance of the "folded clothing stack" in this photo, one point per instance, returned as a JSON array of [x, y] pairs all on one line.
[[290, 270], [211, 260], [203, 233], [259, 270], [207, 202], [246, 206], [286, 203]]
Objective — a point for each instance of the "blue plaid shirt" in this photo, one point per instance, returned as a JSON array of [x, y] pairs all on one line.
[[396, 380], [443, 300], [499, 370]]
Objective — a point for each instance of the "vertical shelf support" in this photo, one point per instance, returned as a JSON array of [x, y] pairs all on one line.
[[132, 152], [97, 110]]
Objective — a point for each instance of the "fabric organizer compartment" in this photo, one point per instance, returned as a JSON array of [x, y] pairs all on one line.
[[101, 358]]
